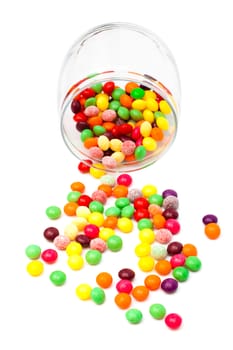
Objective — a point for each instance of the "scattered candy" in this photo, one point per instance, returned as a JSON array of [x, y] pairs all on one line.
[[98, 295], [58, 278], [157, 311], [134, 316], [33, 251], [173, 321], [104, 279], [35, 268]]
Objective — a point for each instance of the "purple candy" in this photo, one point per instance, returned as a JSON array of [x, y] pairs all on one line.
[[169, 192], [207, 219], [169, 285]]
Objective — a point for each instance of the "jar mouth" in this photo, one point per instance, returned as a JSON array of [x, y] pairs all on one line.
[[72, 138]]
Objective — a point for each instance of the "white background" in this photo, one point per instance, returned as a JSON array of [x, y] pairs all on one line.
[[37, 169]]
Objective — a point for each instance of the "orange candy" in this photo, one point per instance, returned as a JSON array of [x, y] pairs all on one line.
[[106, 188], [110, 221], [104, 279], [126, 100], [123, 300], [163, 267], [212, 230], [70, 208], [90, 142], [130, 86], [120, 191], [77, 186], [140, 293], [189, 250], [152, 282], [93, 121], [159, 221]]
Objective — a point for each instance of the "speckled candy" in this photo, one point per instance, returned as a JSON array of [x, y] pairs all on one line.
[[163, 236]]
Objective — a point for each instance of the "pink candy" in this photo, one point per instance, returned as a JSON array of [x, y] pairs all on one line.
[[99, 196], [61, 242], [128, 147], [96, 152], [108, 115], [98, 244], [91, 111], [109, 162], [163, 236]]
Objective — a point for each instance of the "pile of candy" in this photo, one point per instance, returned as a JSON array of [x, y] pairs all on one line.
[[121, 125], [96, 228]]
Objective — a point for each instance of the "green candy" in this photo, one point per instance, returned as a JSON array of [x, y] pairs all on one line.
[[93, 257], [97, 87], [156, 199], [193, 263], [140, 152], [133, 316], [137, 93], [113, 211], [122, 202], [127, 211], [53, 212], [58, 278], [144, 223], [98, 295], [114, 105], [180, 273], [123, 113], [99, 130], [33, 251], [86, 134], [73, 196], [116, 94], [91, 101], [96, 206], [157, 311], [114, 243], [136, 115], [158, 114]]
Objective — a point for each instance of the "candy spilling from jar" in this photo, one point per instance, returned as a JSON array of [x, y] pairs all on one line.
[[118, 126]]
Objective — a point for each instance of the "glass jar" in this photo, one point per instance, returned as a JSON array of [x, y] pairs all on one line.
[[119, 97]]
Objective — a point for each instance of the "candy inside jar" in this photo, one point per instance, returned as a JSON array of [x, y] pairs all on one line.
[[115, 99]]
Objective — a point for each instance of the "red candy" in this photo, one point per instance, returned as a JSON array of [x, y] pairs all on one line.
[[84, 167], [124, 286], [173, 321], [124, 179], [49, 256]]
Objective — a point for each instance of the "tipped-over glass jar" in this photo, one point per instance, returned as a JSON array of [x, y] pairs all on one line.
[[119, 96]]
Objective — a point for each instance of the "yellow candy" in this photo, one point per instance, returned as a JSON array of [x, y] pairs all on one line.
[[162, 123], [152, 104], [83, 212], [139, 104], [148, 190], [149, 94], [80, 222], [74, 248], [83, 291], [164, 107], [115, 145], [149, 143], [97, 170], [35, 268], [145, 129], [147, 235], [103, 142], [118, 156], [96, 218], [71, 231], [125, 225], [106, 232], [148, 116], [75, 262], [146, 263], [102, 101], [142, 249]]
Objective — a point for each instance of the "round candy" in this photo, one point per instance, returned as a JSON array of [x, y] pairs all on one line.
[[163, 235], [49, 256], [53, 212], [96, 205], [33, 251], [208, 218], [83, 240], [50, 233], [124, 179], [157, 311], [83, 291], [158, 251], [98, 244], [35, 268], [170, 213], [212, 230], [173, 226], [152, 282], [124, 286], [125, 225], [169, 285], [91, 231], [140, 293], [144, 223], [123, 300], [58, 278], [149, 190], [75, 262], [114, 243], [142, 249], [61, 242], [193, 263], [74, 248], [146, 263], [98, 295], [133, 194], [169, 192], [180, 273], [173, 321], [104, 279], [163, 267], [134, 316], [170, 202], [93, 257], [126, 274], [174, 248], [189, 249], [177, 260], [147, 235]]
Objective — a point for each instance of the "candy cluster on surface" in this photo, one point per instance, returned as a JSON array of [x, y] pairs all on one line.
[[96, 226], [121, 125]]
